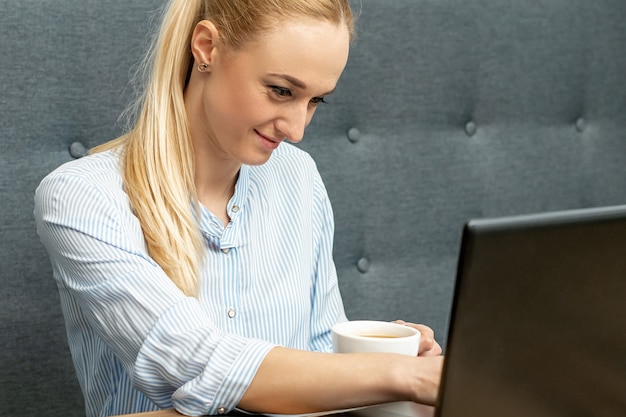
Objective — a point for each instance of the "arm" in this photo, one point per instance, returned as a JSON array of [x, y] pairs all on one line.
[[123, 310], [290, 381]]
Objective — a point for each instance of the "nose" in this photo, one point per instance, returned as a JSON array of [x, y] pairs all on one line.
[[293, 120]]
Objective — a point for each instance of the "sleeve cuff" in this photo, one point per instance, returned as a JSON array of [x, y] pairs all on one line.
[[188, 363], [245, 357]]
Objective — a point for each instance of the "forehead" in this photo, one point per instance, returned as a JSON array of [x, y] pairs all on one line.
[[312, 51]]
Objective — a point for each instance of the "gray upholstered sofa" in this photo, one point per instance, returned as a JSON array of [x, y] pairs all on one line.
[[449, 109]]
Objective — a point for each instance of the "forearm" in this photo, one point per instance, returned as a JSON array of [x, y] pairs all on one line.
[[290, 381]]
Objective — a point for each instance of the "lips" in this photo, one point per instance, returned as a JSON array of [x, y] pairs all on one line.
[[267, 142]]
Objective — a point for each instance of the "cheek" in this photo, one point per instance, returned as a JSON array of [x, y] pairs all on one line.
[[225, 110], [242, 107]]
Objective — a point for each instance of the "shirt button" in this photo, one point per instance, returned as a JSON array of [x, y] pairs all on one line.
[[235, 209], [221, 411], [226, 250], [231, 313]]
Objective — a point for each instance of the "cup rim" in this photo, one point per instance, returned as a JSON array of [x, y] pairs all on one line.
[[339, 330]]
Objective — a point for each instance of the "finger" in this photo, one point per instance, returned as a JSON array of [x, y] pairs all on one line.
[[426, 332], [433, 350], [428, 344]]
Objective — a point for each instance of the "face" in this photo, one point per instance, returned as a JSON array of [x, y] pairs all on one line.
[[266, 91]]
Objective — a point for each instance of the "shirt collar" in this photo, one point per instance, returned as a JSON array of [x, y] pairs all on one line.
[[209, 223]]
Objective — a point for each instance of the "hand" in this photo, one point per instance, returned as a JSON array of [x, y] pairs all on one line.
[[427, 379], [428, 344]]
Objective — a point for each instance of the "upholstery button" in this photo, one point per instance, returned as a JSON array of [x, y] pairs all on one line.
[[470, 128], [231, 313], [363, 265], [221, 411], [226, 251], [77, 150], [580, 124], [354, 135]]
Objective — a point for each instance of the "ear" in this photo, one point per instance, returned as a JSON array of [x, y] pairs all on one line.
[[204, 40]]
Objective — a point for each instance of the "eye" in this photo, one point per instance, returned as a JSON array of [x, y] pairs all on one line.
[[281, 91], [317, 100]]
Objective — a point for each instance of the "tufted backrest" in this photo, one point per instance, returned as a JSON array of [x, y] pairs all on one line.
[[448, 110], [454, 109]]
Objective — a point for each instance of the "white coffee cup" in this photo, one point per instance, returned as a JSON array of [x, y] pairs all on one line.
[[375, 336], [381, 336]]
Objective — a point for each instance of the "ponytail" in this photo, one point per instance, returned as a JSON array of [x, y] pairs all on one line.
[[157, 158]]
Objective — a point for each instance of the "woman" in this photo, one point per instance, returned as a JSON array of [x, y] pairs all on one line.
[[193, 254]]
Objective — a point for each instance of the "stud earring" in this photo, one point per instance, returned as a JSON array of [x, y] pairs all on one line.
[[203, 67]]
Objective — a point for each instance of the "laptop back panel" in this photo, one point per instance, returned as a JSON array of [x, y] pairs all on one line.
[[538, 323]]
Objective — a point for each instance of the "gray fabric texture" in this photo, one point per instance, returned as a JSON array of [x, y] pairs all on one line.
[[463, 109]]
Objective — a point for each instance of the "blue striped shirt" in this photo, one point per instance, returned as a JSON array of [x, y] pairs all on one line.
[[139, 344]]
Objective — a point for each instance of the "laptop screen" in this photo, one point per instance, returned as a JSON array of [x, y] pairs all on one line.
[[538, 322]]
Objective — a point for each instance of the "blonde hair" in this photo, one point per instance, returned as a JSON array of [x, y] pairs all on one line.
[[157, 152]]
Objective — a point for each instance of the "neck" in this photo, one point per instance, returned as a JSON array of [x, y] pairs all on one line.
[[215, 179], [216, 172]]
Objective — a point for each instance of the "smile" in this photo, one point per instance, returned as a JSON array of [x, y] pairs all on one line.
[[266, 142]]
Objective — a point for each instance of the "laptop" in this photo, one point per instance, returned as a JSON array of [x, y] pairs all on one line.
[[538, 320]]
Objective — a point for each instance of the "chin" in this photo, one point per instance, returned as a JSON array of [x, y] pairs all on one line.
[[258, 159]]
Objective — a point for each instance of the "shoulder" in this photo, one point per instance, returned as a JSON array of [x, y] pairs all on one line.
[[88, 195], [96, 167], [94, 176]]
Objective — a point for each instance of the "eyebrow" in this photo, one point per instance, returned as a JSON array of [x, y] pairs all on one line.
[[296, 82]]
